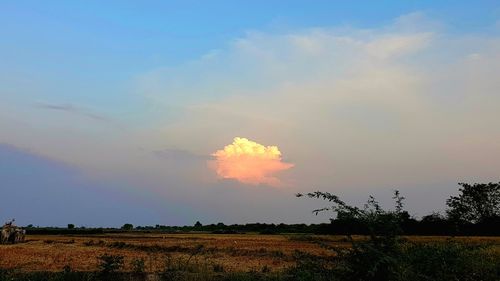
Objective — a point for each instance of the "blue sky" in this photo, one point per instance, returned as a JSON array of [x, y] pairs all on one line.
[[128, 36], [135, 97], [96, 47]]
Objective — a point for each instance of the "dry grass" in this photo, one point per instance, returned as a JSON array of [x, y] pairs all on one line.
[[241, 252]]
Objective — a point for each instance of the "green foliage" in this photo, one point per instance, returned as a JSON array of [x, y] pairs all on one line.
[[449, 261], [218, 267], [309, 267], [385, 256], [110, 263], [172, 266], [128, 226], [67, 269], [382, 225], [63, 231], [71, 226], [138, 265]]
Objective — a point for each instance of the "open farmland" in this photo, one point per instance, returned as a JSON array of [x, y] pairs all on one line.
[[240, 252], [219, 252]]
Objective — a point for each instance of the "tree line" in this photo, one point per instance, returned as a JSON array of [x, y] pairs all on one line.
[[474, 211]]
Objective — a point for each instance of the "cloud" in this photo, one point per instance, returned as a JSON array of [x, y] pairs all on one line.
[[73, 110], [360, 111], [55, 193], [400, 104], [249, 162]]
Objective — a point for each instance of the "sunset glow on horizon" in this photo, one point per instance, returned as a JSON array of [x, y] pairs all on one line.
[[249, 162]]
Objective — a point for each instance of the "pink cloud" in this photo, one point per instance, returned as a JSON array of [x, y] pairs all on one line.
[[249, 162]]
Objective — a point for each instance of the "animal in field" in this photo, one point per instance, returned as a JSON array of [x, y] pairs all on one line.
[[4, 235], [11, 233], [19, 235]]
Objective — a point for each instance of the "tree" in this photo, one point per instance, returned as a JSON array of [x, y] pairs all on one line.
[[71, 226], [385, 256], [198, 224], [475, 203], [127, 226], [432, 218], [375, 258]]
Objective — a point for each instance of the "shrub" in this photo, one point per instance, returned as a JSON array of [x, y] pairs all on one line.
[[110, 263], [450, 261], [384, 256], [218, 267], [138, 265], [265, 269]]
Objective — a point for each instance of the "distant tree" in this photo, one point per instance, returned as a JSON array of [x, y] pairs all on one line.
[[128, 226], [435, 223], [71, 226], [431, 218], [198, 224], [475, 203]]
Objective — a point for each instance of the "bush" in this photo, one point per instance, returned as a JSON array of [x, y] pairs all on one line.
[[110, 263], [450, 261], [138, 265], [384, 256], [218, 267]]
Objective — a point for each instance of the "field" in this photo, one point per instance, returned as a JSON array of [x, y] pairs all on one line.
[[218, 252]]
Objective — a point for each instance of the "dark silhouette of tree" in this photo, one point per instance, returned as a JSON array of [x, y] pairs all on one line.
[[475, 203], [198, 224], [432, 218], [127, 226], [376, 258], [384, 255], [382, 226], [71, 226]]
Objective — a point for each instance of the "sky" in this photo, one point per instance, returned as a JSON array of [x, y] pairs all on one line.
[[172, 112]]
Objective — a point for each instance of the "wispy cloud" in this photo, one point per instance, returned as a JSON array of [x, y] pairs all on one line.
[[73, 109]]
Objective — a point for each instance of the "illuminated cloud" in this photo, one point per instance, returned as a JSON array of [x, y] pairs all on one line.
[[249, 162]]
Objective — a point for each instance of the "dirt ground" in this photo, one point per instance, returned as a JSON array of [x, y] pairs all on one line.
[[232, 252]]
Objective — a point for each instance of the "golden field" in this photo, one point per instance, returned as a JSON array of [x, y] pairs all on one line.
[[232, 252]]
